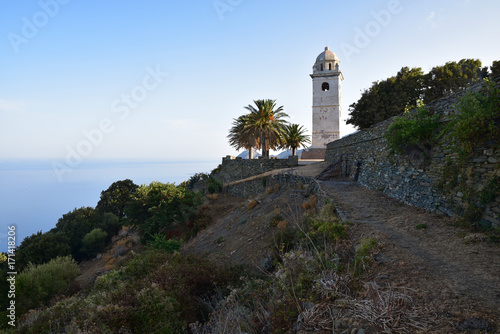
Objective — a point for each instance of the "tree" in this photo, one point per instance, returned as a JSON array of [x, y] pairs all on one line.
[[390, 97], [452, 77], [240, 135], [161, 206], [75, 225], [266, 122], [495, 69], [116, 198], [41, 247], [294, 137], [387, 98]]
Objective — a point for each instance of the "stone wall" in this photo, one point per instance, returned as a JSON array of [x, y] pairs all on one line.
[[258, 185], [233, 169], [413, 177]]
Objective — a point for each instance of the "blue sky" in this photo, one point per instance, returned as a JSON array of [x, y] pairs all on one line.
[[162, 80]]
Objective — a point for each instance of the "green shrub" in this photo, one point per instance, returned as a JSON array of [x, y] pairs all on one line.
[[332, 230], [364, 248], [476, 120], [38, 284], [157, 312], [142, 264], [198, 177], [161, 206], [409, 130], [93, 242], [159, 242], [214, 185]]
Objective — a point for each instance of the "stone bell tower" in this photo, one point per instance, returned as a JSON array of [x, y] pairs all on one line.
[[326, 108]]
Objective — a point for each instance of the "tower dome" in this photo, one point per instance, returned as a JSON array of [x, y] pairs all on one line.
[[327, 55], [326, 61]]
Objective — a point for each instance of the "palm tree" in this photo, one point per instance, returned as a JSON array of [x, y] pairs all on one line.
[[294, 137], [266, 122], [240, 136]]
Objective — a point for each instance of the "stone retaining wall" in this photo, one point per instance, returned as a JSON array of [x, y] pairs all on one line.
[[258, 185], [233, 169], [412, 178]]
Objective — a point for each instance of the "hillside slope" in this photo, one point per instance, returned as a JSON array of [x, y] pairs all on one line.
[[453, 275]]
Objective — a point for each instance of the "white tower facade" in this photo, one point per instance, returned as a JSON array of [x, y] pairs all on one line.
[[326, 109]]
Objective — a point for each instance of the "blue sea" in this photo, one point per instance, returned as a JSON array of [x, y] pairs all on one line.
[[33, 198]]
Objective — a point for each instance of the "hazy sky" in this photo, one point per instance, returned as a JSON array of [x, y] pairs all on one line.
[[163, 80]]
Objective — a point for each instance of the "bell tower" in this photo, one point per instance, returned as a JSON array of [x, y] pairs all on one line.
[[326, 109]]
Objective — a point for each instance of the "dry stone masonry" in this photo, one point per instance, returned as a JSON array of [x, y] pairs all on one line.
[[234, 169], [413, 178]]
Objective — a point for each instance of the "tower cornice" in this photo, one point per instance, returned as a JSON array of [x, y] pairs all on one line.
[[327, 74]]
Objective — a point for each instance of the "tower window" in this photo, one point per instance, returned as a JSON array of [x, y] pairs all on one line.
[[325, 86], [321, 67], [330, 66]]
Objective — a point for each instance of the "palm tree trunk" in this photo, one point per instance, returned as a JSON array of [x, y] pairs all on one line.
[[265, 152], [294, 151], [250, 153]]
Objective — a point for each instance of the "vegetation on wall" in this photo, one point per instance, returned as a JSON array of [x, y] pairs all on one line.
[[476, 120], [412, 129], [473, 125]]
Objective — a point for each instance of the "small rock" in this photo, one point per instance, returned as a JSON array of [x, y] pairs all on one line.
[[382, 277], [474, 323], [381, 258], [486, 224], [488, 152]]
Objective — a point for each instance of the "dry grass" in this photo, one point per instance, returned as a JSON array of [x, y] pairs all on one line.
[[310, 203], [391, 311], [252, 204]]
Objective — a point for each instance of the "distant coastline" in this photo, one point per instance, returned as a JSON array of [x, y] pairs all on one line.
[[33, 199]]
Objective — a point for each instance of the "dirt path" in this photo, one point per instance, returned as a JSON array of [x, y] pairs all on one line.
[[445, 263]]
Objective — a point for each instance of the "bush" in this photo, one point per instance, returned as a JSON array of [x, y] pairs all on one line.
[[38, 284], [476, 121], [332, 230], [409, 130], [161, 206], [214, 185], [198, 177], [159, 242], [93, 242], [361, 256], [157, 312]]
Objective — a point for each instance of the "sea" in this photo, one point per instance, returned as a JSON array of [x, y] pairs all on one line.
[[34, 195]]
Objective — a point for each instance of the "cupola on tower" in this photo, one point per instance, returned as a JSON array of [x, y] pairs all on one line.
[[326, 108]]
